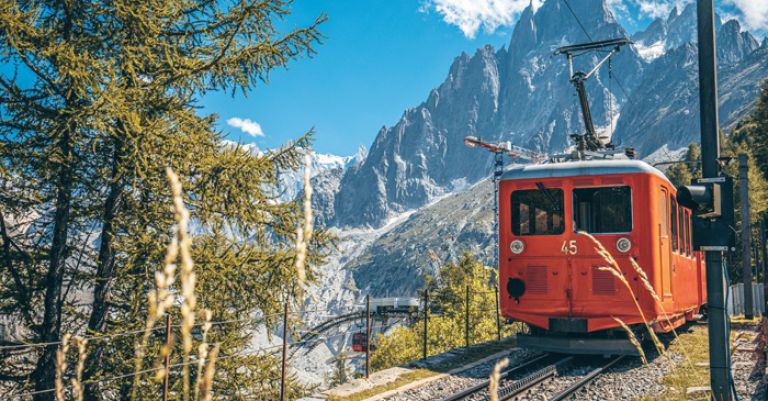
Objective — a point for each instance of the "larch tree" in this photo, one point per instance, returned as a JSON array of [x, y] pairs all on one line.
[[97, 98]]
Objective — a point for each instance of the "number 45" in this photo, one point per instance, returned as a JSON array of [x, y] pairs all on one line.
[[569, 247]]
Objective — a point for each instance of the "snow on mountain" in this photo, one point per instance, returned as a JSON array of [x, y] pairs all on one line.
[[420, 189], [520, 93]]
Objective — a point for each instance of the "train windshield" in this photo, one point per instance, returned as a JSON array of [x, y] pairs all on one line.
[[603, 210], [537, 212]]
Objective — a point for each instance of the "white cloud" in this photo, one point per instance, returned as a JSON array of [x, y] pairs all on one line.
[[654, 9], [246, 125], [617, 6], [470, 15], [755, 12]]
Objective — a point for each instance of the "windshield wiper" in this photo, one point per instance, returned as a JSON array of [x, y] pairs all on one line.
[[550, 197]]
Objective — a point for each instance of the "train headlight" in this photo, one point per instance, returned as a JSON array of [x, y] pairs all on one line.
[[623, 245], [517, 247]]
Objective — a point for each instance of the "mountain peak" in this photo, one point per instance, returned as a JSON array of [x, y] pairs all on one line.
[[674, 13]]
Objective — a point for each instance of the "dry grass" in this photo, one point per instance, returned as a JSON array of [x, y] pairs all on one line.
[[493, 385], [61, 367], [615, 270], [202, 351], [77, 381], [160, 300], [207, 380], [648, 287], [632, 339], [678, 381], [404, 379], [304, 232]]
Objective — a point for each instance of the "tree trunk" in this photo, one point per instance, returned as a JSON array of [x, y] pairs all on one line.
[[50, 331], [104, 271]]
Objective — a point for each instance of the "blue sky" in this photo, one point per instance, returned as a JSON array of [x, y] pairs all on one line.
[[381, 57]]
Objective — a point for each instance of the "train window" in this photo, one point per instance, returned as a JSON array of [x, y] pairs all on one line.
[[673, 223], [535, 212], [687, 227], [603, 209], [681, 230]]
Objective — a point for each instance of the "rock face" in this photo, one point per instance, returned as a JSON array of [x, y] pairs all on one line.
[[394, 263], [522, 94], [664, 108]]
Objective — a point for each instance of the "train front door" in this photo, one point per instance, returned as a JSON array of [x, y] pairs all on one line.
[[664, 245]]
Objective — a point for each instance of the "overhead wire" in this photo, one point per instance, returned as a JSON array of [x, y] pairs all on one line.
[[181, 364], [578, 21], [584, 29], [134, 332]]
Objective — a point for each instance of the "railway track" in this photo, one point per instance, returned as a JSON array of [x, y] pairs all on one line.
[[523, 379]]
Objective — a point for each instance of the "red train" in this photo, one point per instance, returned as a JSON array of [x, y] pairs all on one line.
[[550, 276]]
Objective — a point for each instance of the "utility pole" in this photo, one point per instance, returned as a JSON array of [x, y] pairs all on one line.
[[746, 243], [498, 317], [764, 262], [497, 173], [167, 355], [499, 150], [466, 320], [426, 320], [719, 371], [285, 350], [367, 335]]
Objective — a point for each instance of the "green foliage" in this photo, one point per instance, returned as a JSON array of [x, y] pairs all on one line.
[[753, 130], [750, 137], [109, 100], [689, 168], [447, 317]]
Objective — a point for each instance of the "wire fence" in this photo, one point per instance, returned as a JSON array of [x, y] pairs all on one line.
[[354, 314]]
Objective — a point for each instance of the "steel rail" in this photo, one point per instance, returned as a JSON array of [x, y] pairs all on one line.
[[589, 378], [484, 384], [522, 385]]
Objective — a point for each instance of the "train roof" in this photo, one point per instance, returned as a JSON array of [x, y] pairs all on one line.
[[581, 168]]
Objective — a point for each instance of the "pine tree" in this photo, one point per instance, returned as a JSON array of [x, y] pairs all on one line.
[[99, 98], [754, 130]]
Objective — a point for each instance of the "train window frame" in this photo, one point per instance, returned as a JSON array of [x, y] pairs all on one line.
[[681, 230], [515, 215], [674, 224], [631, 212], [687, 217]]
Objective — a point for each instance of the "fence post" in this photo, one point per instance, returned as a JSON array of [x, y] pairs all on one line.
[[746, 244], [285, 349], [764, 257], [167, 355], [466, 320], [426, 319], [367, 335], [756, 258], [498, 315]]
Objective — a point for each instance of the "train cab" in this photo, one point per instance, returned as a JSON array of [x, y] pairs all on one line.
[[550, 274]]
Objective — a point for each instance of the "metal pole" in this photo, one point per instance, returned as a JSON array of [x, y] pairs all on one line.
[[746, 237], [285, 349], [756, 263], [426, 319], [763, 259], [498, 315], [367, 335], [466, 320], [496, 178], [710, 151], [167, 355]]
